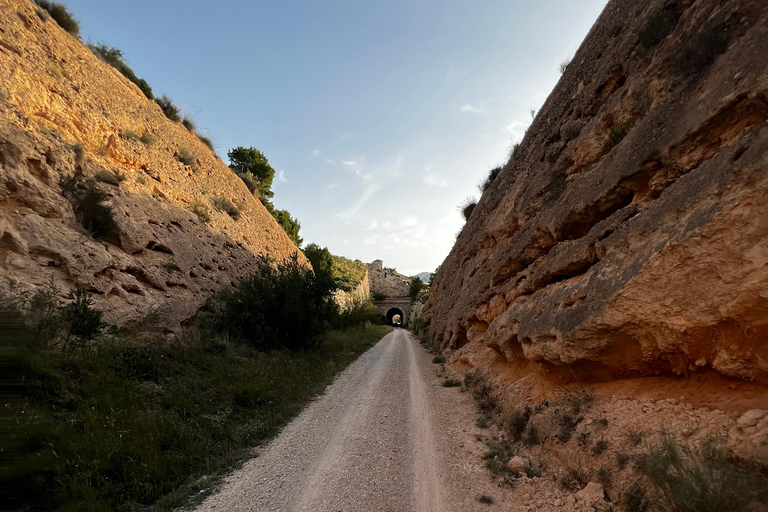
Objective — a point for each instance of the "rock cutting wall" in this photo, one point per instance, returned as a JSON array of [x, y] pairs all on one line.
[[386, 281], [628, 234], [62, 110]]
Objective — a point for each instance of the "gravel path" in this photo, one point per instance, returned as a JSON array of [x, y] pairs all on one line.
[[369, 443]]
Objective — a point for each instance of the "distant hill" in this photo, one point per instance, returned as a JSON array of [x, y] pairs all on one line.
[[424, 276]]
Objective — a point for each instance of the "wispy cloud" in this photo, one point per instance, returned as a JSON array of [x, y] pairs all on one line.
[[372, 226], [517, 128], [348, 162], [433, 178], [328, 160], [331, 186], [366, 195], [315, 154], [454, 73], [472, 108], [281, 176]]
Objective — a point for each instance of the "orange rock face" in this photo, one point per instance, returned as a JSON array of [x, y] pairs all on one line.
[[61, 110], [628, 235]]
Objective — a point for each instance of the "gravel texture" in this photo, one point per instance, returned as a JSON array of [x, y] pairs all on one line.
[[369, 443]]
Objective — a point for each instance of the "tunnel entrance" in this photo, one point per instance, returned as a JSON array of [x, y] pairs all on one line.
[[394, 316]]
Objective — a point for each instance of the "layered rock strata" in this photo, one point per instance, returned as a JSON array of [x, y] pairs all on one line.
[[62, 110], [628, 234]]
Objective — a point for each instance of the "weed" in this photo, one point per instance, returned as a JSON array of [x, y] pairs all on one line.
[[703, 50], [451, 383], [484, 499], [188, 122], [170, 110], [482, 392], [573, 480], [490, 179], [87, 201], [531, 436], [148, 139], [129, 135], [207, 141], [554, 155], [634, 499], [187, 158], [604, 476], [438, 360], [583, 438], [141, 179], [622, 459], [571, 132], [79, 151], [96, 436], [500, 451], [467, 207], [171, 266], [659, 26], [564, 66], [114, 177], [199, 209], [635, 437], [617, 134], [222, 204], [61, 15], [514, 424], [484, 421], [701, 479]]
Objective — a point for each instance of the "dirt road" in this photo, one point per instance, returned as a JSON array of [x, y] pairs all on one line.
[[385, 436]]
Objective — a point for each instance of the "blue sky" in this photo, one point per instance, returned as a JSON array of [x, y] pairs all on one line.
[[379, 117]]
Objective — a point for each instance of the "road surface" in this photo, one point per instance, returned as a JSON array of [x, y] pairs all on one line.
[[384, 437]]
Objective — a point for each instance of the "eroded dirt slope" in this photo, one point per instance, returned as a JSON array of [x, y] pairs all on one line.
[[628, 235], [62, 110]]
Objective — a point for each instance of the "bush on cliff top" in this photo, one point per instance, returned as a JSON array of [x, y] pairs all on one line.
[[61, 15], [116, 59]]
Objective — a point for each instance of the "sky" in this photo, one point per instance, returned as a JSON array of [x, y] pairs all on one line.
[[380, 118]]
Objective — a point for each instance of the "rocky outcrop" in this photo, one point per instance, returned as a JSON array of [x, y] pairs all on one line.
[[386, 281], [628, 234], [64, 110], [361, 293]]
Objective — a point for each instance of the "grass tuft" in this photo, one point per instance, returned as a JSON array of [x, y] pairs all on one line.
[[201, 210], [222, 204], [485, 499], [114, 177], [170, 109], [617, 134], [186, 157], [599, 447], [438, 360], [451, 383], [467, 207]]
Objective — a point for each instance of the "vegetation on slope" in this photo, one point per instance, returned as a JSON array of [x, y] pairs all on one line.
[[348, 273], [118, 421]]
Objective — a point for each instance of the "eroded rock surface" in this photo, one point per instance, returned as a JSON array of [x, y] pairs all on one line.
[[63, 110], [628, 234]]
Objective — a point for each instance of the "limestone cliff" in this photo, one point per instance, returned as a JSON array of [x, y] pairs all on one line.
[[62, 110], [628, 234]]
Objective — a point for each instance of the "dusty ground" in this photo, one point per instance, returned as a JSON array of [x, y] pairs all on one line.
[[385, 436], [388, 436]]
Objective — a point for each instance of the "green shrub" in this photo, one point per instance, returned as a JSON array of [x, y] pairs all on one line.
[[482, 392], [186, 157], [250, 165], [290, 225], [438, 360], [199, 209], [617, 134], [634, 499], [659, 26], [280, 306], [170, 110], [703, 479], [490, 178], [599, 447], [451, 383], [116, 59], [222, 204], [114, 177], [485, 500], [87, 201], [148, 139], [500, 451], [531, 436], [514, 424], [137, 424], [61, 15], [467, 207], [81, 321], [347, 273], [129, 135], [415, 287]]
